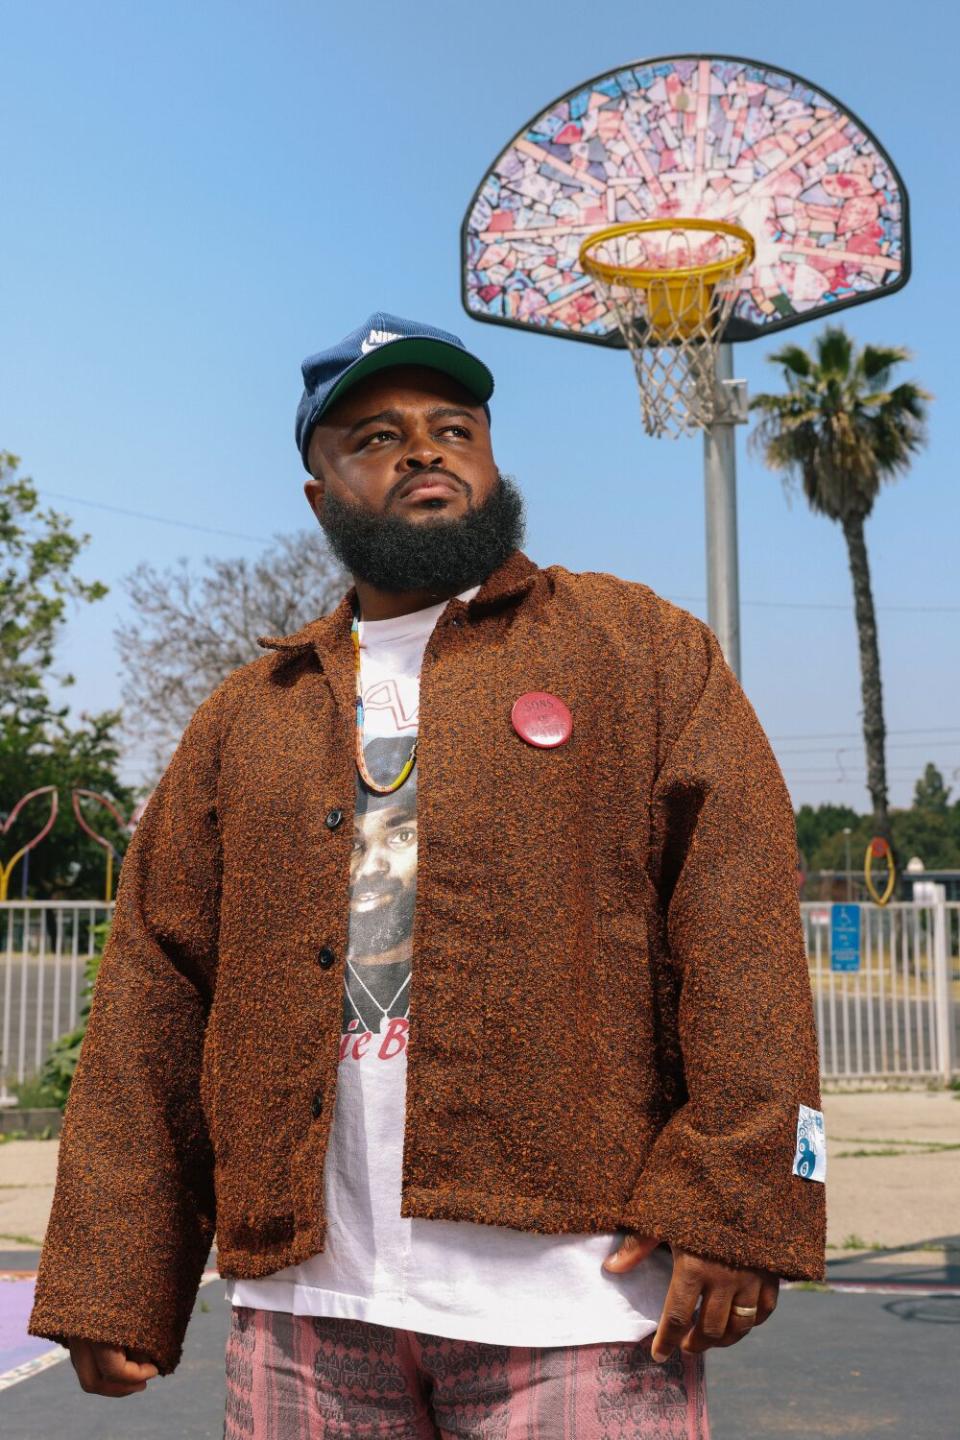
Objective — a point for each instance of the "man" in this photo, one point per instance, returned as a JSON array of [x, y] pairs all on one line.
[[457, 977]]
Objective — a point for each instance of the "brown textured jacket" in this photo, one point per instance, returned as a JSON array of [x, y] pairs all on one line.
[[611, 1021]]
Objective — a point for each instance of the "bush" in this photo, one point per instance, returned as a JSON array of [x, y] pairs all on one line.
[[61, 1062], [34, 1094]]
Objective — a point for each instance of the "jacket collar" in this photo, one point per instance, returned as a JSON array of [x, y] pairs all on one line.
[[509, 581]]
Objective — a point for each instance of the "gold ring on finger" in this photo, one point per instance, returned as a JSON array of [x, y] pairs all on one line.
[[747, 1311]]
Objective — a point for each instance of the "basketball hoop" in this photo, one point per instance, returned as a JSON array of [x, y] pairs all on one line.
[[671, 285]]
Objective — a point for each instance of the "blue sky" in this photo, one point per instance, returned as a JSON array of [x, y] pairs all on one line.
[[196, 196]]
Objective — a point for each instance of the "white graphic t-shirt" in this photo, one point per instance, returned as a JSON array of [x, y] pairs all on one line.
[[451, 1278]]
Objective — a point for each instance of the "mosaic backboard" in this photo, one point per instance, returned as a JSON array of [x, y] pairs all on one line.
[[721, 138]]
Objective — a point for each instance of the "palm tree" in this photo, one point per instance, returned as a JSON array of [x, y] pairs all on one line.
[[841, 430]]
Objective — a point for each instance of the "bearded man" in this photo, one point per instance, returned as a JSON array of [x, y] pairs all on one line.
[[456, 981]]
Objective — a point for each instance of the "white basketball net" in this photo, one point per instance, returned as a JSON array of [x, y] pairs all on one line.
[[672, 322]]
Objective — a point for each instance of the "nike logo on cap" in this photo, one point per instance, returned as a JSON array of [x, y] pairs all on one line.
[[377, 338]]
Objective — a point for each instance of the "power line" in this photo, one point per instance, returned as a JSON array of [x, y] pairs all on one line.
[[821, 605], [857, 734], [858, 776], [853, 778], [910, 745], [685, 599], [158, 519]]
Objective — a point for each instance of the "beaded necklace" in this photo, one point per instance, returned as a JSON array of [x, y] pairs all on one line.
[[368, 779]]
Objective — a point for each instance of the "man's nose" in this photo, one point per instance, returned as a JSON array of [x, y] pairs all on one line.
[[421, 452], [421, 457], [376, 861]]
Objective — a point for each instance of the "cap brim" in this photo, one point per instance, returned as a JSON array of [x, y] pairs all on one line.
[[472, 374]]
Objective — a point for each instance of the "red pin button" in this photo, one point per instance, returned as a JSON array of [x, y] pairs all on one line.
[[542, 719]]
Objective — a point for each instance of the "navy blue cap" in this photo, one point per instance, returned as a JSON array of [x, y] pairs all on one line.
[[382, 341]]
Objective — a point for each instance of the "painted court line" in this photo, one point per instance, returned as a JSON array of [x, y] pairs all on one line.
[[36, 1364], [29, 1368], [881, 1287]]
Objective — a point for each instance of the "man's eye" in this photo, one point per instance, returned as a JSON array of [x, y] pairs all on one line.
[[403, 837], [377, 435], [460, 429]]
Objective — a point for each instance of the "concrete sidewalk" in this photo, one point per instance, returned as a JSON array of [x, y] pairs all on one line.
[[893, 1172], [892, 1182]]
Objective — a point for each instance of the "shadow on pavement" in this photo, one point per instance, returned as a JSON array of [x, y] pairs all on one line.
[[930, 1309], [933, 1262]]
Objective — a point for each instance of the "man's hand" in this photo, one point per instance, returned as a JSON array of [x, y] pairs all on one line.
[[107, 1370], [716, 1287]]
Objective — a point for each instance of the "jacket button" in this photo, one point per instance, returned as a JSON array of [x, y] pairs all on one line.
[[325, 957], [316, 1105], [333, 818]]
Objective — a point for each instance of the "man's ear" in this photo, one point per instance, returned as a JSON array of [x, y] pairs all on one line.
[[315, 489]]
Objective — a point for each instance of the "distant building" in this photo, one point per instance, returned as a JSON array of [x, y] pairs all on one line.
[[950, 879], [830, 885]]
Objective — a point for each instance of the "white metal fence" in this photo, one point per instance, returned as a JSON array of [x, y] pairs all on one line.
[[44, 945], [897, 1016]]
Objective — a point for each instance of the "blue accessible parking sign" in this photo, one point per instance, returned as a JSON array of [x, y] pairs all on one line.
[[845, 937]]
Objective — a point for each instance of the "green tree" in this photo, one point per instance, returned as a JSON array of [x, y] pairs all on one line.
[[931, 792], [38, 550], [840, 430], [38, 744], [72, 757], [929, 828], [831, 852], [815, 825], [927, 834]]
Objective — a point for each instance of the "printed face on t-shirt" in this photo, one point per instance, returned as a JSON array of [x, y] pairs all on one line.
[[383, 863], [383, 873]]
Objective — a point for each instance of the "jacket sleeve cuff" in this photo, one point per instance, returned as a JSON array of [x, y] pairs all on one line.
[[148, 1310], [732, 1196], [62, 1323]]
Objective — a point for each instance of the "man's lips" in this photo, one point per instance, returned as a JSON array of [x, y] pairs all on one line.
[[373, 899], [428, 487]]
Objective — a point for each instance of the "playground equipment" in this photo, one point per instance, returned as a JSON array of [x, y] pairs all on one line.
[[6, 870], [101, 840], [879, 849]]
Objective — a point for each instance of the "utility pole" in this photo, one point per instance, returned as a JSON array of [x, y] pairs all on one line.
[[720, 502]]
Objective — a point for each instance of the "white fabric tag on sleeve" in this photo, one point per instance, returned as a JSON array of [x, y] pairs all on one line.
[[810, 1160]]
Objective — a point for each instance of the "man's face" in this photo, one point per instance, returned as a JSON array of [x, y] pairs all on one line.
[[406, 488], [383, 875], [409, 442]]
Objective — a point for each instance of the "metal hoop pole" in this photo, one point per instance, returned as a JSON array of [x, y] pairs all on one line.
[[720, 496]]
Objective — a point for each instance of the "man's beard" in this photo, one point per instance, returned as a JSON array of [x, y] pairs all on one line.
[[446, 556], [373, 932]]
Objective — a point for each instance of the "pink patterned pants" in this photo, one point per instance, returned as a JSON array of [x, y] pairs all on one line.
[[302, 1377]]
